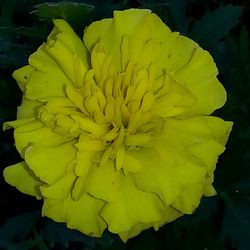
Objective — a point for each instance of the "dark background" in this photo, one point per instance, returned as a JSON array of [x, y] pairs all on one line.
[[222, 27]]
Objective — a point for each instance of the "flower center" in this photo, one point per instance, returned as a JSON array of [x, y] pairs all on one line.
[[107, 111]]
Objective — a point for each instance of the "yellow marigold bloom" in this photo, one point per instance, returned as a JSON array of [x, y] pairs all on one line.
[[115, 130]]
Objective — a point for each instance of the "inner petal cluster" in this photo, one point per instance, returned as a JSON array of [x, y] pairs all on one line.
[[107, 112]]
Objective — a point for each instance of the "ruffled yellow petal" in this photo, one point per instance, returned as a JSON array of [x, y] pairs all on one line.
[[220, 129], [104, 182], [195, 130], [47, 79], [134, 231], [170, 214], [34, 132], [63, 32], [148, 208], [203, 144], [27, 109], [172, 99], [59, 62], [22, 76], [199, 77], [111, 31], [207, 153], [82, 215], [48, 163], [189, 199], [61, 189], [166, 175], [21, 177], [209, 190]]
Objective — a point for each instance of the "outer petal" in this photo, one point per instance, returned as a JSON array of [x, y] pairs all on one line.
[[184, 155], [55, 64], [170, 214], [111, 31], [27, 109], [61, 189], [197, 137], [189, 200], [22, 76], [167, 176], [48, 163], [199, 77], [29, 131], [67, 36], [20, 176], [102, 182], [81, 215], [123, 215], [220, 129]]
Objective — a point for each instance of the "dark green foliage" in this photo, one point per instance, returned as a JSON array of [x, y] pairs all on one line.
[[213, 26], [236, 222], [220, 26], [55, 233], [76, 14]]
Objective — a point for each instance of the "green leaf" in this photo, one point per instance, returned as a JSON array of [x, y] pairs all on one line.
[[244, 46], [173, 13], [178, 12], [54, 232], [18, 227], [197, 231], [236, 221], [213, 26], [207, 207], [24, 31], [13, 55], [72, 12]]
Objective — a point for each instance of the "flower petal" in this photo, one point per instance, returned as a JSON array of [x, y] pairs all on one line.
[[55, 64], [61, 189], [170, 214], [33, 132], [104, 182], [166, 176], [22, 76], [122, 215], [81, 215], [48, 163], [111, 31], [199, 77], [27, 109], [21, 177], [189, 200], [220, 129], [47, 79]]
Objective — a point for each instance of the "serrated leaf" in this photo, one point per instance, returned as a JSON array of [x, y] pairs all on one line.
[[24, 31], [236, 222], [74, 13], [173, 13], [244, 46], [214, 25], [241, 187], [178, 12], [54, 233], [202, 214], [162, 10], [18, 227], [13, 55]]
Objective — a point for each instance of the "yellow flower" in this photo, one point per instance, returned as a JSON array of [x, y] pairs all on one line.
[[115, 130]]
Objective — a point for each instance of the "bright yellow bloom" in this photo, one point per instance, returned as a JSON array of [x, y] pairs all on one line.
[[115, 130]]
